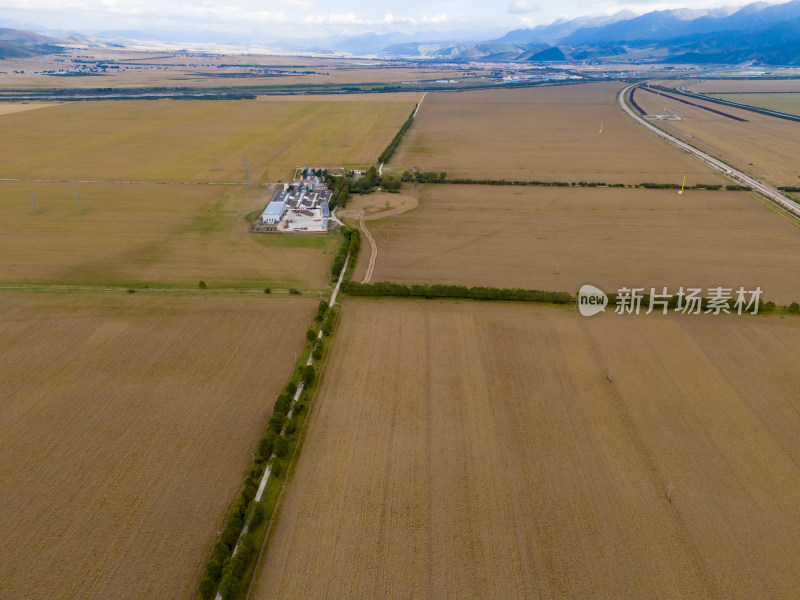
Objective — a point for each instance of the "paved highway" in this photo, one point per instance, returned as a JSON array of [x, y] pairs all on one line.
[[768, 192]]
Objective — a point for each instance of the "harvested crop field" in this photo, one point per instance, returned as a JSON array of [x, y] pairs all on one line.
[[8, 108], [473, 450], [544, 134], [126, 424], [197, 141], [762, 146], [380, 205], [711, 86], [558, 239], [156, 235], [786, 102]]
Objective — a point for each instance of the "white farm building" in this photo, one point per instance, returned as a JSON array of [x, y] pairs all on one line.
[[273, 213]]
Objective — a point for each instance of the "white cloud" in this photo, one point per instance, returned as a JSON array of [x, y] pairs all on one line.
[[521, 7], [440, 18], [387, 20]]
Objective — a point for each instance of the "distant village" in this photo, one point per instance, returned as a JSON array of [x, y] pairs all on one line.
[[301, 206]]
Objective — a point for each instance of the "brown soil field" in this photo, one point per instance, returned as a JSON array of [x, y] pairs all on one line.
[[711, 86], [197, 141], [158, 235], [764, 147], [561, 238], [126, 427], [475, 450], [7, 108], [545, 134], [380, 205], [785, 102]]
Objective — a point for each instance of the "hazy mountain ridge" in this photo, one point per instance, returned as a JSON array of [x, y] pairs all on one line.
[[17, 43], [756, 33]]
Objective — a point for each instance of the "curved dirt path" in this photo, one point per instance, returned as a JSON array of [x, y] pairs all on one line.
[[373, 255], [412, 204]]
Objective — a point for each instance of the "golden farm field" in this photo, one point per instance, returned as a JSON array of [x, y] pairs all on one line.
[[7, 108], [126, 425], [197, 141], [156, 235], [558, 239], [784, 102], [544, 134], [489, 450], [711, 86], [762, 146]]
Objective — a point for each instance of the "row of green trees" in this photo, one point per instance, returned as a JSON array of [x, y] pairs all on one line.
[[225, 572], [351, 243], [387, 153], [341, 192], [401, 290], [343, 186], [386, 288], [417, 176]]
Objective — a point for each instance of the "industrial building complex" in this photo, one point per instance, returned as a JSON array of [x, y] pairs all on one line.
[[299, 207]]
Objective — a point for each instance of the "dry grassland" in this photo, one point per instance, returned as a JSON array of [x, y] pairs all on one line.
[[380, 205], [7, 108], [158, 235], [194, 141], [562, 238], [784, 102], [478, 450], [546, 134], [126, 424], [765, 147]]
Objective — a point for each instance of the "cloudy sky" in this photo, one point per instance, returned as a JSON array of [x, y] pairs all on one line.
[[337, 16]]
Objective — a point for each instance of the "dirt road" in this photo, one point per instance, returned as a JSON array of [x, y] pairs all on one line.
[[374, 250]]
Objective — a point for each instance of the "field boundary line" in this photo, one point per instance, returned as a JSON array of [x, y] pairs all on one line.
[[416, 110]]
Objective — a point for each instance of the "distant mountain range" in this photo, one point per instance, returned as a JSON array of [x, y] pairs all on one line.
[[758, 33], [16, 43]]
